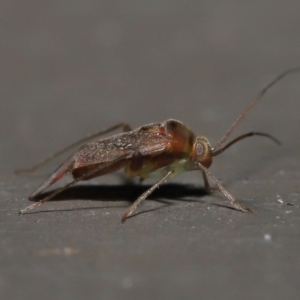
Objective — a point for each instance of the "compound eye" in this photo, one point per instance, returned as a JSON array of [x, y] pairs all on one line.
[[199, 149]]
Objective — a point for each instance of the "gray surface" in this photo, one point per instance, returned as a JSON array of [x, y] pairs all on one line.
[[73, 67]]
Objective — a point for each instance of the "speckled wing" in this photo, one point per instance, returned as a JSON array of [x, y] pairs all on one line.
[[121, 145]]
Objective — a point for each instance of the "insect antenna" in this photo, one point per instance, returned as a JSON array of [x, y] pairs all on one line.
[[124, 126], [243, 136], [251, 105]]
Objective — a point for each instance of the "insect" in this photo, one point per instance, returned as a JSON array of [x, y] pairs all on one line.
[[161, 150]]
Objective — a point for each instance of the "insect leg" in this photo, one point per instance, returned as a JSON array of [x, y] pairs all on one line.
[[82, 177], [229, 197], [52, 195], [141, 198], [125, 127], [206, 183], [63, 170]]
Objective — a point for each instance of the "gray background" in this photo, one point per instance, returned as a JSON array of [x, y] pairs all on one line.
[[69, 68]]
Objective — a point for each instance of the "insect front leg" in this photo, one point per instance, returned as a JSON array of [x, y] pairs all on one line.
[[229, 197], [141, 198], [207, 186], [206, 183]]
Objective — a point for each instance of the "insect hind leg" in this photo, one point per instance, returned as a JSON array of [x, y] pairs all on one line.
[[52, 195], [124, 126], [65, 169]]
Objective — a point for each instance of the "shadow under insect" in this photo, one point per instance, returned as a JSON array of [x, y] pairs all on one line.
[[166, 194]]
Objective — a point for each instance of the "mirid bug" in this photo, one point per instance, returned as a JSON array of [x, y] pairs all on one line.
[[161, 150]]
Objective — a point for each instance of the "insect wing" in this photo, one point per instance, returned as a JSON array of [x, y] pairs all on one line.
[[121, 145]]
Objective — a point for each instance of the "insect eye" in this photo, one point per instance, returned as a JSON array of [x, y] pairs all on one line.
[[199, 149]]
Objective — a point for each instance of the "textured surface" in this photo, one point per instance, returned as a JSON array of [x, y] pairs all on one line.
[[69, 68]]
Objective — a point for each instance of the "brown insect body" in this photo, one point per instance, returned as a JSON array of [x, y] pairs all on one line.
[[146, 152], [163, 149]]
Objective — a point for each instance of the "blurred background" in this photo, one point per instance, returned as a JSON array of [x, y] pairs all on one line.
[[69, 68]]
